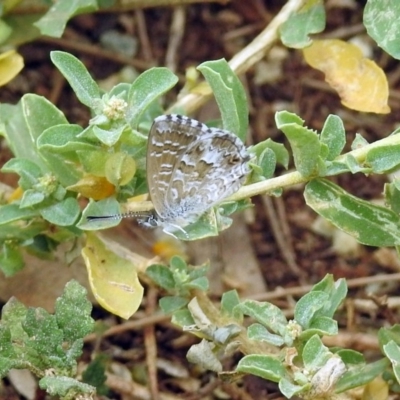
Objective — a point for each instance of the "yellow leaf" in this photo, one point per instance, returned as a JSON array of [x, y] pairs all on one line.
[[10, 65], [360, 83], [9, 5], [113, 279], [377, 389], [167, 247], [93, 187], [16, 194]]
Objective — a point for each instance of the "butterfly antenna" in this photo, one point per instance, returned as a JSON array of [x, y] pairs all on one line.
[[130, 214]]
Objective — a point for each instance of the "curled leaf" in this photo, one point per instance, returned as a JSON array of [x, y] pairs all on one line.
[[360, 83], [113, 279]]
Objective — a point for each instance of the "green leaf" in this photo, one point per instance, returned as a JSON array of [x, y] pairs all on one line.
[[229, 94], [161, 276], [120, 168], [392, 352], [182, 318], [199, 284], [22, 233], [31, 197], [94, 161], [335, 168], [170, 304], [72, 311], [359, 142], [110, 136], [334, 136], [296, 29], [13, 314], [304, 142], [28, 171], [54, 21], [260, 333], [65, 387], [266, 367], [40, 114], [315, 354], [11, 260], [45, 338], [102, 208], [14, 128], [229, 301], [76, 74], [198, 271], [307, 307], [203, 355], [178, 265], [7, 356], [369, 224], [351, 356], [12, 212], [95, 374], [281, 154], [64, 213], [323, 326], [359, 376], [392, 196], [266, 314], [65, 172], [147, 88], [337, 292], [354, 166], [267, 163], [387, 335], [382, 159], [381, 21], [289, 390], [206, 226], [63, 138]]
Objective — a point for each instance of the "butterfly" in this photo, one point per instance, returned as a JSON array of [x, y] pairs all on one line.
[[190, 169]]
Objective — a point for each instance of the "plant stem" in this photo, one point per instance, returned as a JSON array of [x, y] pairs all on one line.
[[243, 60]]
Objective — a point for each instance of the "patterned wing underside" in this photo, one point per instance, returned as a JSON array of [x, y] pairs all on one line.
[[210, 170], [169, 136], [191, 168]]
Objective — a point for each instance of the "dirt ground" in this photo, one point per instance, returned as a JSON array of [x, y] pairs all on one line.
[[280, 243]]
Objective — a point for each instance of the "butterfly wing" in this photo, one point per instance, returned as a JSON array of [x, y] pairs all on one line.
[[169, 137], [213, 167]]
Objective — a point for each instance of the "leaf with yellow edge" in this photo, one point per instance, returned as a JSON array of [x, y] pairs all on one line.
[[360, 83], [113, 279], [10, 65]]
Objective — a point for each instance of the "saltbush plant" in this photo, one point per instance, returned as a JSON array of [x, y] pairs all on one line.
[[59, 163]]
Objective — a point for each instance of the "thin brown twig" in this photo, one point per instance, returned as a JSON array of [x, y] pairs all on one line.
[[300, 290], [133, 389], [136, 4], [150, 343], [96, 51], [131, 326], [176, 34], [282, 237], [245, 58], [275, 294], [143, 36], [58, 82]]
